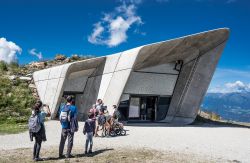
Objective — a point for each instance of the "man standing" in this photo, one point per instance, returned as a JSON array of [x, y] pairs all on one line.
[[68, 112]]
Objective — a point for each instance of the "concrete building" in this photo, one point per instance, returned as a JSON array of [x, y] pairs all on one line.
[[160, 82]]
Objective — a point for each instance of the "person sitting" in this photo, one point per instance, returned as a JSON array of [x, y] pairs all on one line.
[[108, 119], [116, 113]]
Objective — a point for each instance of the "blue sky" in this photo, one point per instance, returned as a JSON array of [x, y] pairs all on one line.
[[43, 28]]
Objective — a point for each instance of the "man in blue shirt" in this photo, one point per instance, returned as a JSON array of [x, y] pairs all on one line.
[[67, 112]]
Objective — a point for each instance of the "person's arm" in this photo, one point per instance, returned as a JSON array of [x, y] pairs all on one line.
[[75, 112], [60, 109], [47, 111]]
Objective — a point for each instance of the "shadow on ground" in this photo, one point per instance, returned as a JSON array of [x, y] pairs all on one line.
[[97, 152]]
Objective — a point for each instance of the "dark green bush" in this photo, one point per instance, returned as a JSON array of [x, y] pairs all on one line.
[[3, 66]]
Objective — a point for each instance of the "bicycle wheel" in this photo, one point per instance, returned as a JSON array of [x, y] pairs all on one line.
[[118, 131], [123, 132], [112, 133]]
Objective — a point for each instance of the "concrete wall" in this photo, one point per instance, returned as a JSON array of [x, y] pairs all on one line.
[[49, 84]]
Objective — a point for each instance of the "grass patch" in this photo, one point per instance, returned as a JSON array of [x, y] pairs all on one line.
[[16, 100], [12, 128]]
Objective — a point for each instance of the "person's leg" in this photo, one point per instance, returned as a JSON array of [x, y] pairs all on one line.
[[39, 145], [87, 143], [97, 127], [34, 149], [62, 142], [91, 141], [107, 127], [70, 142], [38, 140]]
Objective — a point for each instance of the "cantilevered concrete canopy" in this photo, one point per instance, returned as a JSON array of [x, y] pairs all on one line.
[[180, 69]]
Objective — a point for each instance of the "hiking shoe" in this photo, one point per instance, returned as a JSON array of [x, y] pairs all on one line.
[[61, 156], [86, 152], [90, 151], [38, 159], [69, 156]]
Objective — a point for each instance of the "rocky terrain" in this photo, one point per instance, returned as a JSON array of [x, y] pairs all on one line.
[[25, 72]]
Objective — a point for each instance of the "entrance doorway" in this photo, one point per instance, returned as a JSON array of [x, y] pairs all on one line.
[[140, 108], [143, 108]]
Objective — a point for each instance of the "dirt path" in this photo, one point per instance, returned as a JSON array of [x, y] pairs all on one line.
[[212, 142]]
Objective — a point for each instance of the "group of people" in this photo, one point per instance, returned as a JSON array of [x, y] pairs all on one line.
[[102, 117], [98, 115]]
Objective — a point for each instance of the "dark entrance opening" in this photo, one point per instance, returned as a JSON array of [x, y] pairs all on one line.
[[148, 108], [144, 108]]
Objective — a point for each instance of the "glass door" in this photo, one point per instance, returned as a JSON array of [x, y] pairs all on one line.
[[143, 108], [134, 108]]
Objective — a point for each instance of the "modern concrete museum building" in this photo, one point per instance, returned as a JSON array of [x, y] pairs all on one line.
[[160, 82]]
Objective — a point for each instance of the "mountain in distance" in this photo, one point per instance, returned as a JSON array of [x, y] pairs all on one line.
[[233, 106]]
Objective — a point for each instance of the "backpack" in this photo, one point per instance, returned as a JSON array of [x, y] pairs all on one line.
[[74, 124], [103, 108], [65, 114], [102, 120], [34, 124]]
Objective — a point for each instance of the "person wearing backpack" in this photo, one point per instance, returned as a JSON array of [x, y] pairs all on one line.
[[68, 120], [37, 128], [88, 130]]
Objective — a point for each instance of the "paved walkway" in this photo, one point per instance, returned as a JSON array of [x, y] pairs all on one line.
[[228, 143]]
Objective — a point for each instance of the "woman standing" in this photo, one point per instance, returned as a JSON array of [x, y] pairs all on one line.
[[38, 116]]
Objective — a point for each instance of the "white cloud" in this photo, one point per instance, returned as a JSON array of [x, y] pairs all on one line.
[[8, 50], [95, 37], [223, 76], [115, 25], [38, 54], [237, 86]]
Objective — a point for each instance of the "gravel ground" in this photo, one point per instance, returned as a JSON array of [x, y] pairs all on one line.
[[204, 141], [105, 155]]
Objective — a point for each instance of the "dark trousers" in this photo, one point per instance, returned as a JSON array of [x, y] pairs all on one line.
[[66, 133], [37, 146]]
